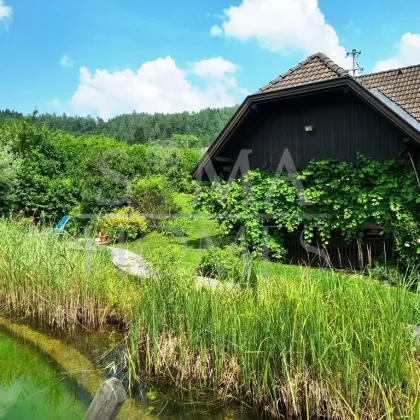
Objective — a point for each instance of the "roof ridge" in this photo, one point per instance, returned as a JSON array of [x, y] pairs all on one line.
[[323, 58], [387, 71], [330, 63]]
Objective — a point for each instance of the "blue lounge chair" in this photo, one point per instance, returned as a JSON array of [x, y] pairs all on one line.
[[59, 229]]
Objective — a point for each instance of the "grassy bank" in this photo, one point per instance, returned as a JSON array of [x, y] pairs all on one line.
[[322, 344], [47, 278], [306, 343]]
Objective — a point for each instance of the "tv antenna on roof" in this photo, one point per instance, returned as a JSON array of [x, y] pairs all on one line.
[[355, 55]]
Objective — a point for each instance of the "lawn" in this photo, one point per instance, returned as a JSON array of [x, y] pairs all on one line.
[[201, 233]]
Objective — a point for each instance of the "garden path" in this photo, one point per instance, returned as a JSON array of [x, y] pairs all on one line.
[[133, 264], [129, 262]]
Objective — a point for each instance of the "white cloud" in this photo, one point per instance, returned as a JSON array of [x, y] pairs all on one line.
[[407, 53], [216, 67], [5, 11], [216, 30], [283, 26], [66, 61], [157, 86]]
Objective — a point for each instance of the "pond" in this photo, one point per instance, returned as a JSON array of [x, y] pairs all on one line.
[[33, 387]]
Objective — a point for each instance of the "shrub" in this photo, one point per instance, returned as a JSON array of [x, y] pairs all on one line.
[[124, 221], [176, 227], [151, 196], [174, 164], [9, 170], [227, 264], [46, 173]]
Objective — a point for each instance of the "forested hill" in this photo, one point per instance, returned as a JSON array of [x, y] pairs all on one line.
[[140, 128]]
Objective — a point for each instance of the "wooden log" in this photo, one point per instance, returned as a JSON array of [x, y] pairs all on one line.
[[108, 401]]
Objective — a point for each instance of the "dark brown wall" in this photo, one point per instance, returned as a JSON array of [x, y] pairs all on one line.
[[344, 126]]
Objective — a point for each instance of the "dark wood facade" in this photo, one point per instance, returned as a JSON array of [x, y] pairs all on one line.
[[339, 253], [346, 121], [343, 126]]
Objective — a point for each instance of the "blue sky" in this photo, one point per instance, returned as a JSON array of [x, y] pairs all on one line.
[[107, 57]]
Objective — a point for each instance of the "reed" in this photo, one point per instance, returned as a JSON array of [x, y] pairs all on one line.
[[322, 344], [315, 344], [46, 277]]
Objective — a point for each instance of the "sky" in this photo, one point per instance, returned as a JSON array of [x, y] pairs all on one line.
[[108, 57]]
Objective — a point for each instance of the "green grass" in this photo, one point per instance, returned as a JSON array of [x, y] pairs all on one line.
[[202, 233], [319, 344], [45, 277], [185, 202], [189, 247], [303, 342], [300, 343]]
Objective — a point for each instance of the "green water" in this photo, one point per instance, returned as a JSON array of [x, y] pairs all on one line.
[[32, 387]]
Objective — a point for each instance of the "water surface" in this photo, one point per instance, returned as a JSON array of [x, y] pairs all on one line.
[[32, 387]]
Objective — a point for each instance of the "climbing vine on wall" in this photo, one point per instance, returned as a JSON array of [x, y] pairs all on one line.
[[336, 195]]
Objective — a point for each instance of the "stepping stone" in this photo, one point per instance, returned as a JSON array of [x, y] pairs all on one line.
[[129, 262], [135, 265]]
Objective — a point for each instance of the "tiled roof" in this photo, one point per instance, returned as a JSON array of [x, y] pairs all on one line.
[[315, 68], [401, 86]]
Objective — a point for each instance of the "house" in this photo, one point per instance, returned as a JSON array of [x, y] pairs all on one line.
[[317, 110], [377, 115]]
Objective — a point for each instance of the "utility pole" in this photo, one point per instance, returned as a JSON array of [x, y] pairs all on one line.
[[355, 55]]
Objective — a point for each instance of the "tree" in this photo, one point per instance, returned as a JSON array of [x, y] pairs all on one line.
[[184, 140], [138, 128], [140, 135], [9, 169]]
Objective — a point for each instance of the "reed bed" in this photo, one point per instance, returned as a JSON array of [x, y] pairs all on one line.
[[322, 345], [316, 345], [47, 278]]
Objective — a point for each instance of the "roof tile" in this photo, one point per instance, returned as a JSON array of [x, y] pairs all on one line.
[[315, 68], [400, 85]]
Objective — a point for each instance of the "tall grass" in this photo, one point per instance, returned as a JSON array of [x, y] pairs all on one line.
[[45, 277], [321, 344], [309, 345]]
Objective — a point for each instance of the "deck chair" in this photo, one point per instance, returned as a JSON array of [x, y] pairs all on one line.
[[59, 229]]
